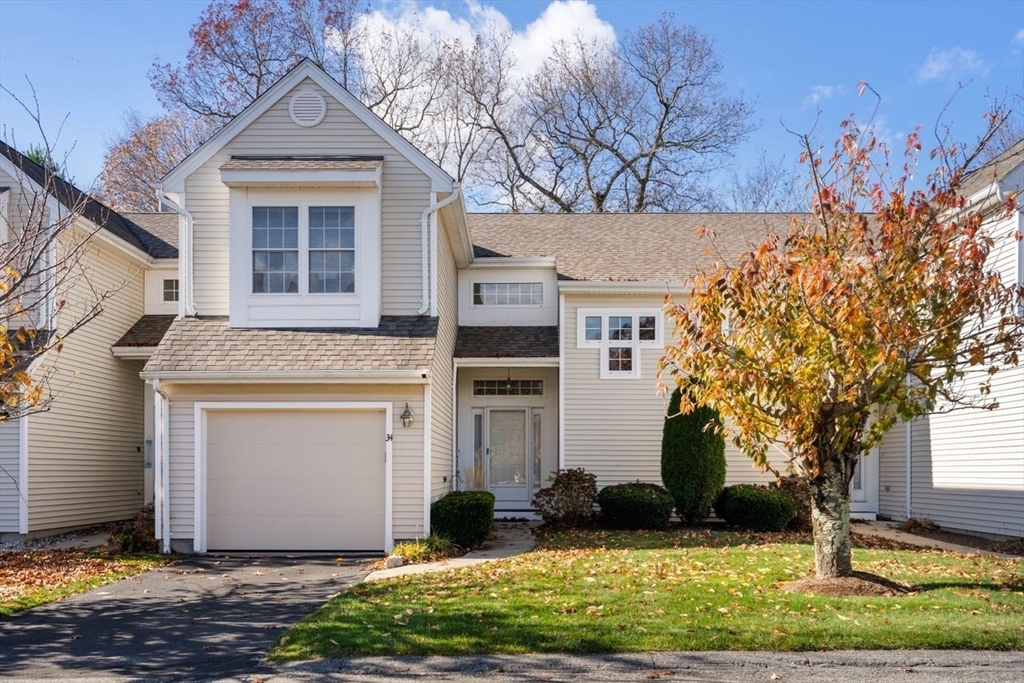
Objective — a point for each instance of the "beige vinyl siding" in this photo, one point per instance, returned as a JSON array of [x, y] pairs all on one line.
[[613, 427], [407, 448], [405, 194], [10, 471], [86, 451], [968, 465], [441, 371]]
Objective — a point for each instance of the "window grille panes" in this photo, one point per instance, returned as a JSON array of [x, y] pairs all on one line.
[[648, 330], [593, 328], [508, 294], [170, 290], [508, 387], [620, 327], [275, 249], [332, 255], [620, 359]]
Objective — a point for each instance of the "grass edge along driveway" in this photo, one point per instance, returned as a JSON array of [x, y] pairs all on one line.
[[600, 591], [30, 578]]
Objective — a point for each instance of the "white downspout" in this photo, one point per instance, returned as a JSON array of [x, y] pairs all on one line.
[[162, 487], [186, 249], [425, 243]]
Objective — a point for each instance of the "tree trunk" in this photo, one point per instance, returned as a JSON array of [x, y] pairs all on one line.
[[830, 519]]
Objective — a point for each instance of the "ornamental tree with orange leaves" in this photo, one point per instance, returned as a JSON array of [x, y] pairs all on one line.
[[880, 304]]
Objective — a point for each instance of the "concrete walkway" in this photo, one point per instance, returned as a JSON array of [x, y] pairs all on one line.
[[888, 530], [509, 539]]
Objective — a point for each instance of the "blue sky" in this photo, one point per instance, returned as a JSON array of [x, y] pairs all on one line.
[[88, 61]]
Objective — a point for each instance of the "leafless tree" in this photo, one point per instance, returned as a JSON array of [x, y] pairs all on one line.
[[769, 186], [47, 293]]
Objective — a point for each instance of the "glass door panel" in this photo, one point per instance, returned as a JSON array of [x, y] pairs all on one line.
[[507, 448]]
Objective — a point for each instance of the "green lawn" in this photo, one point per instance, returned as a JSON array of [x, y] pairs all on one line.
[[29, 578], [679, 590]]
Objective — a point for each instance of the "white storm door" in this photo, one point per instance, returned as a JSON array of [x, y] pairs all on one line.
[[508, 465]]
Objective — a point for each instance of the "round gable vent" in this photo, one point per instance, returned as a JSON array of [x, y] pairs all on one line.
[[307, 108]]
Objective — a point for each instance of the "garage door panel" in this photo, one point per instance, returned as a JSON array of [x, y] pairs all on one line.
[[295, 479], [322, 532], [300, 497], [271, 461]]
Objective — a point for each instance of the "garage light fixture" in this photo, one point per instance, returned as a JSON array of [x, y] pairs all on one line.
[[406, 416]]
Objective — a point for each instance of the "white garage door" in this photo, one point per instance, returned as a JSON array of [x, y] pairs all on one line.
[[295, 480]]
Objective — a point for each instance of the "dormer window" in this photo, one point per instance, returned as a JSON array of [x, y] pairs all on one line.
[[282, 234]]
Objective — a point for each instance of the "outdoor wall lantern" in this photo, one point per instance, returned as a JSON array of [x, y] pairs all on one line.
[[406, 416], [508, 381]]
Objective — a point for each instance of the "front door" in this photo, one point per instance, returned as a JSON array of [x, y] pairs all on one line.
[[864, 487], [509, 467]]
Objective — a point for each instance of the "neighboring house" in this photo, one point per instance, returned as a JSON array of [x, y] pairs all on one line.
[[81, 461], [348, 345]]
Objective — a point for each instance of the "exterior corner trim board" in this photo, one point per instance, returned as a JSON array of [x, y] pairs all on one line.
[[201, 409], [23, 476]]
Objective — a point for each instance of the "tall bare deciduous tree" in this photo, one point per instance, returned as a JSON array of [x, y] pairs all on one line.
[[47, 292], [769, 186], [633, 126]]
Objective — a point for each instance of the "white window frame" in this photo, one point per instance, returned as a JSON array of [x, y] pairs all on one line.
[[176, 290], [604, 344], [474, 304], [304, 309]]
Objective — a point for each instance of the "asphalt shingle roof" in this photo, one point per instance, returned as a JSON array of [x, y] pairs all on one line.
[[147, 331], [163, 227], [210, 345], [246, 163], [648, 247], [982, 178], [91, 209], [507, 342]]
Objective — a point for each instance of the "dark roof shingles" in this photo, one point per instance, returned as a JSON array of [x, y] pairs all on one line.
[[147, 331], [91, 208], [507, 342], [198, 345]]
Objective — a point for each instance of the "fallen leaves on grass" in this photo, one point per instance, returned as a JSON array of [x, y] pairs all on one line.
[[26, 571]]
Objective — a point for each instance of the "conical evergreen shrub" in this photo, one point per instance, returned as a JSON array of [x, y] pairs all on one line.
[[692, 460]]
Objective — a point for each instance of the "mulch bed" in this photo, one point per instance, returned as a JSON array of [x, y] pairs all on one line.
[[860, 584]]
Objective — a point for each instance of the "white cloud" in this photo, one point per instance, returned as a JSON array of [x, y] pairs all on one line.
[[951, 64], [1019, 38], [820, 93], [560, 20]]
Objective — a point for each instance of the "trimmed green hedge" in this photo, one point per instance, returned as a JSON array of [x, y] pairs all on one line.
[[635, 506], [757, 508], [466, 518], [692, 460]]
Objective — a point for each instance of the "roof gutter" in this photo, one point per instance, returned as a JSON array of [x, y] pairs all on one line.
[[425, 245], [294, 376], [186, 250]]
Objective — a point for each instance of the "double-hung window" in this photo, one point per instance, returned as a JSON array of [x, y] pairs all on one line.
[[620, 335], [303, 249]]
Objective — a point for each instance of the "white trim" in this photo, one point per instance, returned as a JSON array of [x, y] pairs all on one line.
[[334, 177], [427, 489], [455, 422], [132, 352], [114, 242], [508, 362], [200, 413], [473, 283], [158, 455], [615, 287], [175, 180], [5, 216], [516, 262], [434, 267], [561, 382], [295, 376], [23, 476]]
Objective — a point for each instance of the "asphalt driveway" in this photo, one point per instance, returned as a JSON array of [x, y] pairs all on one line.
[[206, 617]]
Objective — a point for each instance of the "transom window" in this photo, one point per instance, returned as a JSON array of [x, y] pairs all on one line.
[[170, 290], [508, 387], [508, 294], [327, 237], [619, 335]]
